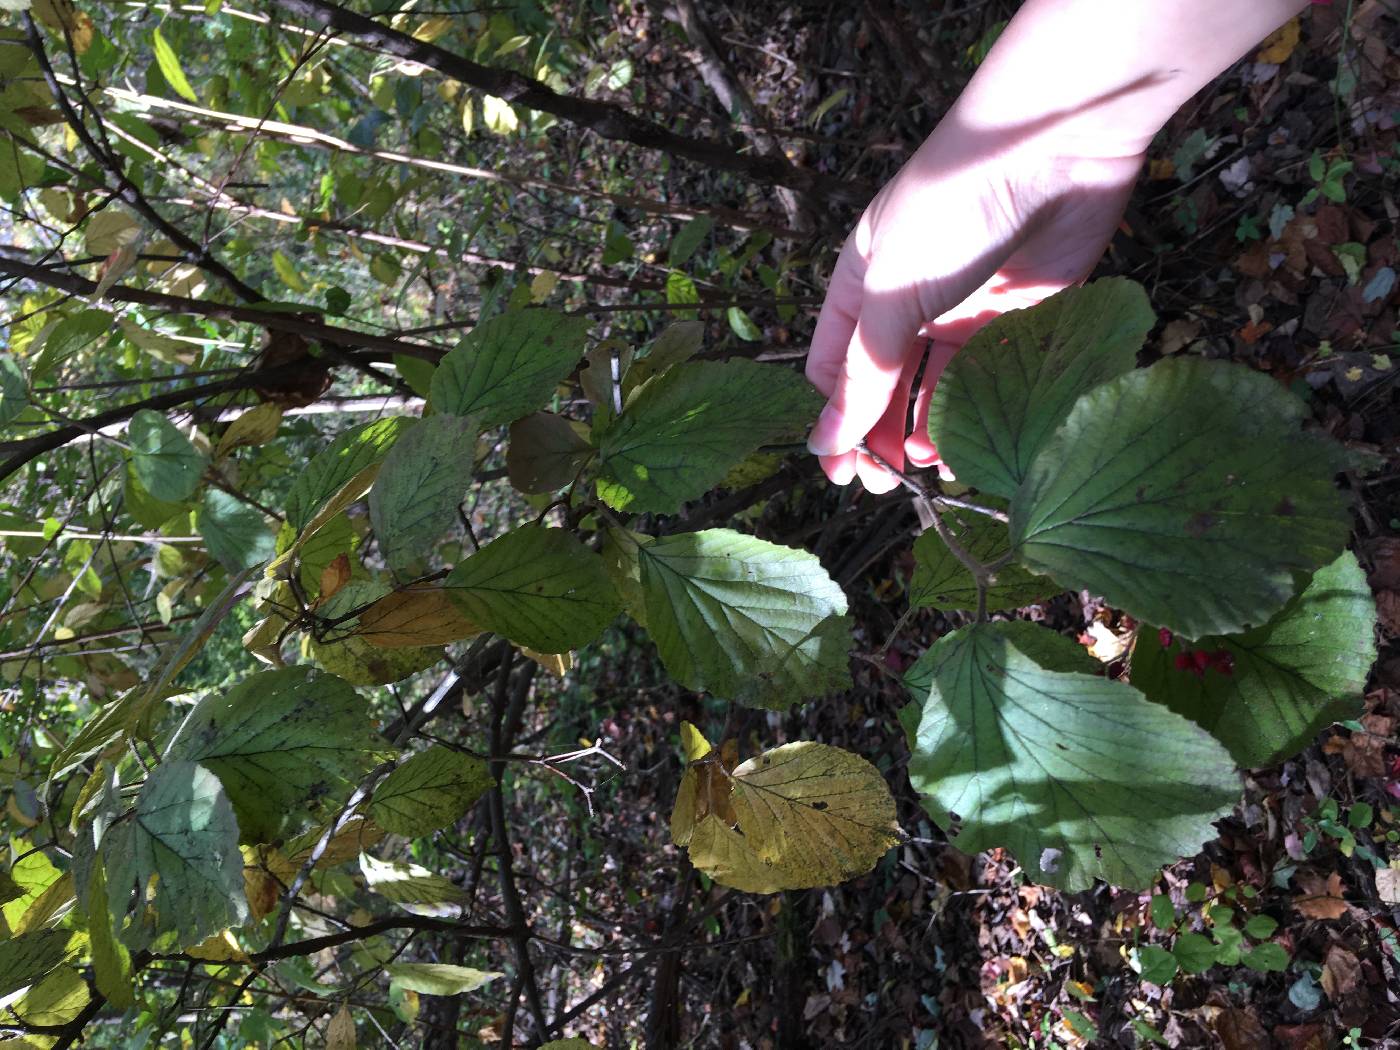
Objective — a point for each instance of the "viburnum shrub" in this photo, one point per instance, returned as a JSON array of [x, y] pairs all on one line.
[[1189, 494]]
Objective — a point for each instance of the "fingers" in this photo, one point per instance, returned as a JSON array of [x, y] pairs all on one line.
[[867, 381], [918, 447], [886, 437], [836, 324]]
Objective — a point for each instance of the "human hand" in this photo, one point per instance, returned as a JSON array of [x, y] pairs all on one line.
[[975, 224]]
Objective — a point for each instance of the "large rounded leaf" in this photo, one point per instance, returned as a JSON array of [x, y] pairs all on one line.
[[745, 619], [682, 431], [801, 815], [1282, 682], [165, 462], [424, 476], [508, 366], [1006, 391], [1079, 777], [1186, 495], [279, 741], [538, 587]]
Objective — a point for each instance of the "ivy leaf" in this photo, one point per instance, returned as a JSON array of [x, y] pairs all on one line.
[[1303, 670], [539, 587], [545, 452], [335, 466], [1079, 777], [508, 367], [745, 619], [429, 792], [165, 462], [279, 741], [27, 957], [940, 581], [184, 833], [801, 815], [14, 389], [1186, 495], [1015, 381], [679, 435], [236, 534], [424, 476], [438, 978]]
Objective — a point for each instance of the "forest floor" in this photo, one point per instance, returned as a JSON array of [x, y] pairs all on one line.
[[1264, 229]]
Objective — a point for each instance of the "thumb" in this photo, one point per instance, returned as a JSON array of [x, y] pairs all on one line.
[[868, 379]]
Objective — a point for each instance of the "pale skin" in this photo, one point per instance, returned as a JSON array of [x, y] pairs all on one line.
[[1012, 198]]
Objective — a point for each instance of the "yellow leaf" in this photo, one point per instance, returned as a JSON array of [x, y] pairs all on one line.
[[59, 15], [1279, 44], [109, 230], [53, 903], [340, 1033], [558, 664], [500, 115], [802, 815], [543, 285], [257, 426], [433, 28], [414, 617], [221, 947]]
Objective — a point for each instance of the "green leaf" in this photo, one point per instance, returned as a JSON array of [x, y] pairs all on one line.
[[688, 238], [1003, 395], [1266, 958], [545, 452], [679, 342], [679, 435], [14, 389], [169, 65], [166, 464], [539, 587], [745, 619], [741, 324], [27, 957], [280, 742], [142, 506], [111, 961], [360, 662], [1052, 651], [56, 1000], [1301, 671], [801, 815], [415, 497], [331, 469], [235, 533], [66, 338], [1186, 495], [287, 273], [1261, 927], [182, 832], [438, 978], [940, 581], [1158, 964], [1195, 952], [1079, 777], [429, 792], [411, 885], [508, 367], [1163, 913]]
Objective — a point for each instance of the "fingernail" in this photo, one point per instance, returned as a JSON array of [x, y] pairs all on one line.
[[822, 440]]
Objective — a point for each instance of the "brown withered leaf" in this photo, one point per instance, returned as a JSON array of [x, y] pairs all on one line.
[[335, 575], [1341, 973], [1322, 897], [414, 617]]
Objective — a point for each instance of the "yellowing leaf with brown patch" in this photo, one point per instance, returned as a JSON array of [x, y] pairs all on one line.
[[413, 617], [1322, 898], [801, 815]]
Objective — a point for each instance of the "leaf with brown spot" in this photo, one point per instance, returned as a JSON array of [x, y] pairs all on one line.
[[1341, 973], [414, 617], [335, 575]]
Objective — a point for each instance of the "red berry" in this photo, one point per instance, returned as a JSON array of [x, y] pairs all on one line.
[[1183, 662], [1164, 637], [1223, 662], [1200, 660]]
